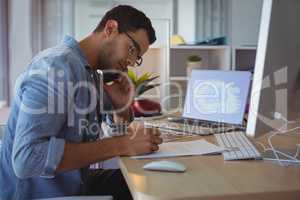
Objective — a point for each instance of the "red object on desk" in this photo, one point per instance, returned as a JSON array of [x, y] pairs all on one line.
[[145, 108]]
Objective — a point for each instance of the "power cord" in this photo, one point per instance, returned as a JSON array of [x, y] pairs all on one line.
[[280, 131]]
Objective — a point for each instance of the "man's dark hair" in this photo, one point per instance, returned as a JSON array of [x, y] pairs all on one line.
[[129, 19]]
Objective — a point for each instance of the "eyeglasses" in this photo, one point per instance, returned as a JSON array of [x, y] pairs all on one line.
[[135, 50]]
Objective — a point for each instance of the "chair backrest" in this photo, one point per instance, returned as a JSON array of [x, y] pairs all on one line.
[[4, 114], [1, 131], [3, 104], [81, 198], [1, 135]]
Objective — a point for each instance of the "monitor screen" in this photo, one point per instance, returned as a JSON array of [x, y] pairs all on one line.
[[219, 96], [276, 81]]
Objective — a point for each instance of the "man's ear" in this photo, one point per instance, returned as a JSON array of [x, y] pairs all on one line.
[[111, 28]]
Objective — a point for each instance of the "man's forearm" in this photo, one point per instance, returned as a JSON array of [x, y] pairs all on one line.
[[78, 155]]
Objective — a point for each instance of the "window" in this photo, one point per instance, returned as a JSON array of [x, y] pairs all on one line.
[[211, 19]]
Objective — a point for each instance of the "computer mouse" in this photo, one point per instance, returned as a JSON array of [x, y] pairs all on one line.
[[163, 165]]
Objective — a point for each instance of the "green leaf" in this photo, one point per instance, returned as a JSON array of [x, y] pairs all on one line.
[[132, 76], [143, 78], [145, 88], [150, 79], [142, 83]]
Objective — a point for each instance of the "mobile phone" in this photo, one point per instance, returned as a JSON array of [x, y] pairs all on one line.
[[102, 97], [110, 76]]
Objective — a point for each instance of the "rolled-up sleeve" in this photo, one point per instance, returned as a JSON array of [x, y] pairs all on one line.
[[54, 155], [38, 147]]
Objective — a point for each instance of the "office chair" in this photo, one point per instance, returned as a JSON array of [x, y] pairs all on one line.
[[1, 135], [81, 198]]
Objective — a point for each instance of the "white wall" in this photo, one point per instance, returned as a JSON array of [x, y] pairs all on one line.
[[20, 49], [88, 13]]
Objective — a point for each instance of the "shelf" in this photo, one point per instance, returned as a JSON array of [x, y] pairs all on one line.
[[213, 57], [204, 47], [245, 48], [158, 47], [179, 78]]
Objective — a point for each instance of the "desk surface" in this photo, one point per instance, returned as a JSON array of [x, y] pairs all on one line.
[[210, 177]]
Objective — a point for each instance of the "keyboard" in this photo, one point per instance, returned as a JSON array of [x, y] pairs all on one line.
[[238, 146]]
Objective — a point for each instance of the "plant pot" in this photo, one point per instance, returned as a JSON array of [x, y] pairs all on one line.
[[143, 107], [192, 65]]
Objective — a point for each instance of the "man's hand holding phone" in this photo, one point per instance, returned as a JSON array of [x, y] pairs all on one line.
[[121, 93]]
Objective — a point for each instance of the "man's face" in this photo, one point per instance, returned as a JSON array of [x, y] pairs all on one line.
[[124, 49]]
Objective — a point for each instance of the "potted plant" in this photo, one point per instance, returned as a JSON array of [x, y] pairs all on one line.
[[143, 107], [193, 62]]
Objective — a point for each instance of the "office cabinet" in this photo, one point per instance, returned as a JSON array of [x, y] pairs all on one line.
[[243, 58], [213, 57]]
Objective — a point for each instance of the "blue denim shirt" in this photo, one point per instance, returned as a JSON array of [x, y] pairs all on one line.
[[54, 102]]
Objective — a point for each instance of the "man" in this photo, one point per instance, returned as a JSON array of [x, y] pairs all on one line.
[[52, 135]]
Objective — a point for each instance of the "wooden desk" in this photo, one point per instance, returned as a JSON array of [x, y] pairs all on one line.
[[210, 177]]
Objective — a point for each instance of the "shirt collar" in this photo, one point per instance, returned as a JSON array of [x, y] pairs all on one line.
[[71, 42]]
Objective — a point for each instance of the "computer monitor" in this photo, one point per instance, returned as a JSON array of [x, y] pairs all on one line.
[[275, 88]]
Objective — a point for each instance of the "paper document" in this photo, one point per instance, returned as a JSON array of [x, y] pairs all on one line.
[[174, 149]]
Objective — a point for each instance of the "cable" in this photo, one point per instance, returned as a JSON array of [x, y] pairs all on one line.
[[298, 151], [284, 154], [281, 131]]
